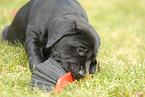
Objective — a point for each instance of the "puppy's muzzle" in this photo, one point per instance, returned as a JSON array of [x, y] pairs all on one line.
[[84, 72]]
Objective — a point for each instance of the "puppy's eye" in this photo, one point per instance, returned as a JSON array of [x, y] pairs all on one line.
[[81, 51]]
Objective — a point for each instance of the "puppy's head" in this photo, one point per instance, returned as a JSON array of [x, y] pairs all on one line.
[[76, 53], [77, 50]]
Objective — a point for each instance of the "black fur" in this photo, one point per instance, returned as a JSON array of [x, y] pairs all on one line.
[[57, 29]]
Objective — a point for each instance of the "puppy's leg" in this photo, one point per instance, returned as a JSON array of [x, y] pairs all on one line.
[[32, 47], [93, 66], [14, 34]]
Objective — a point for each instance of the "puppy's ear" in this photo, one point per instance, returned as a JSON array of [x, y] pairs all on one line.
[[93, 66], [58, 28], [88, 30]]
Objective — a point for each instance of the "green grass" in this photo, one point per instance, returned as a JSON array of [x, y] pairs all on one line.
[[121, 26]]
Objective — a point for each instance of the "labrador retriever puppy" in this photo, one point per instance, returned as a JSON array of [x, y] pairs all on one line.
[[58, 29]]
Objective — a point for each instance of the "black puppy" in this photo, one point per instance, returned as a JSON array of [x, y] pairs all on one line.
[[57, 29]]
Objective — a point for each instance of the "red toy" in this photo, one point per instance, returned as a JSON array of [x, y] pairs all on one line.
[[63, 81]]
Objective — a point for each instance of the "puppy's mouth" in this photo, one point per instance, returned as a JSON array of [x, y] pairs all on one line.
[[77, 71]]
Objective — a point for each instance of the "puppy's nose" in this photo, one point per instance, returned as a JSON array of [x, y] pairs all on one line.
[[82, 73]]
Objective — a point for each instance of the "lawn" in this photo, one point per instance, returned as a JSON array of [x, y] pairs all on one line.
[[121, 26]]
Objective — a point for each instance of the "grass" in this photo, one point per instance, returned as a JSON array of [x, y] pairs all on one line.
[[121, 26]]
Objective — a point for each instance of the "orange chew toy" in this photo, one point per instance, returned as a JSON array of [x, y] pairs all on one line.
[[62, 82]]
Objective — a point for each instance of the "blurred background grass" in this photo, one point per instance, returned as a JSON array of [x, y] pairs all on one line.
[[121, 26]]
